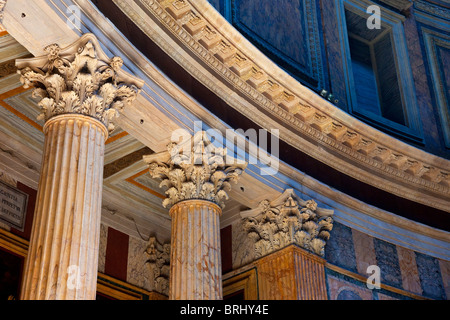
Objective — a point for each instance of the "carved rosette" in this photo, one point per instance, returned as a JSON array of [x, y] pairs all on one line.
[[79, 79], [288, 220], [197, 171], [159, 264]]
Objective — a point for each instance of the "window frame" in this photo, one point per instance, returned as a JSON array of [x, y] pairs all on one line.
[[432, 35], [412, 131]]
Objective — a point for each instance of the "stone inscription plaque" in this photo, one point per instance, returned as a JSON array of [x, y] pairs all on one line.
[[13, 206]]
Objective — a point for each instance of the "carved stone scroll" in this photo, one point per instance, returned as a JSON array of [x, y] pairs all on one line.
[[287, 220], [195, 171], [79, 79]]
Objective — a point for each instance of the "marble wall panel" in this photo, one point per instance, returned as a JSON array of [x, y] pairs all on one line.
[[445, 272], [340, 249], [387, 261], [382, 296], [430, 276], [116, 261], [408, 269], [423, 90], [364, 251], [138, 272], [102, 248]]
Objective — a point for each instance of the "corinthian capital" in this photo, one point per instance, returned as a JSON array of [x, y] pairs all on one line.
[[79, 79], [288, 220], [195, 169]]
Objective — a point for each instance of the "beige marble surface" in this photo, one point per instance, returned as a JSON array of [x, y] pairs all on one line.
[[364, 251], [102, 247], [138, 272], [243, 249], [63, 255], [409, 271], [196, 270], [291, 274]]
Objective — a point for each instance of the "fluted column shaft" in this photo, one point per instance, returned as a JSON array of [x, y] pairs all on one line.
[[195, 267], [63, 255]]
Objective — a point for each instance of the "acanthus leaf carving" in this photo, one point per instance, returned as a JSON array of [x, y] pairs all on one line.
[[287, 220], [200, 173], [2, 8], [159, 264], [258, 84], [79, 79]]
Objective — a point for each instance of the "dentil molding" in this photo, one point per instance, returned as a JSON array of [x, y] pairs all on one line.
[[346, 144]]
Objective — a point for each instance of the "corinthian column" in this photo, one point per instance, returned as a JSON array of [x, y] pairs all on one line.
[[197, 177], [289, 236], [81, 92]]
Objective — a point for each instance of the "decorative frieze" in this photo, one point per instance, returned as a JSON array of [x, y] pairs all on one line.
[[288, 220], [311, 117], [79, 79], [432, 8], [159, 264], [195, 169], [197, 176], [81, 91]]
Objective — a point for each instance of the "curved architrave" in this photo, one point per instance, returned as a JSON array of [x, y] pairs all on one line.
[[369, 219], [212, 51], [395, 226]]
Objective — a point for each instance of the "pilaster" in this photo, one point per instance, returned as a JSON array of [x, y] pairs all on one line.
[[288, 235], [81, 92]]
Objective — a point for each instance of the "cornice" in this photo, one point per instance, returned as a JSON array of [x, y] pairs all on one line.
[[306, 121], [394, 228]]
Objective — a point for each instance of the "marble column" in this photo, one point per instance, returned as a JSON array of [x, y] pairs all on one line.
[[196, 271], [288, 236], [197, 183], [81, 91]]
